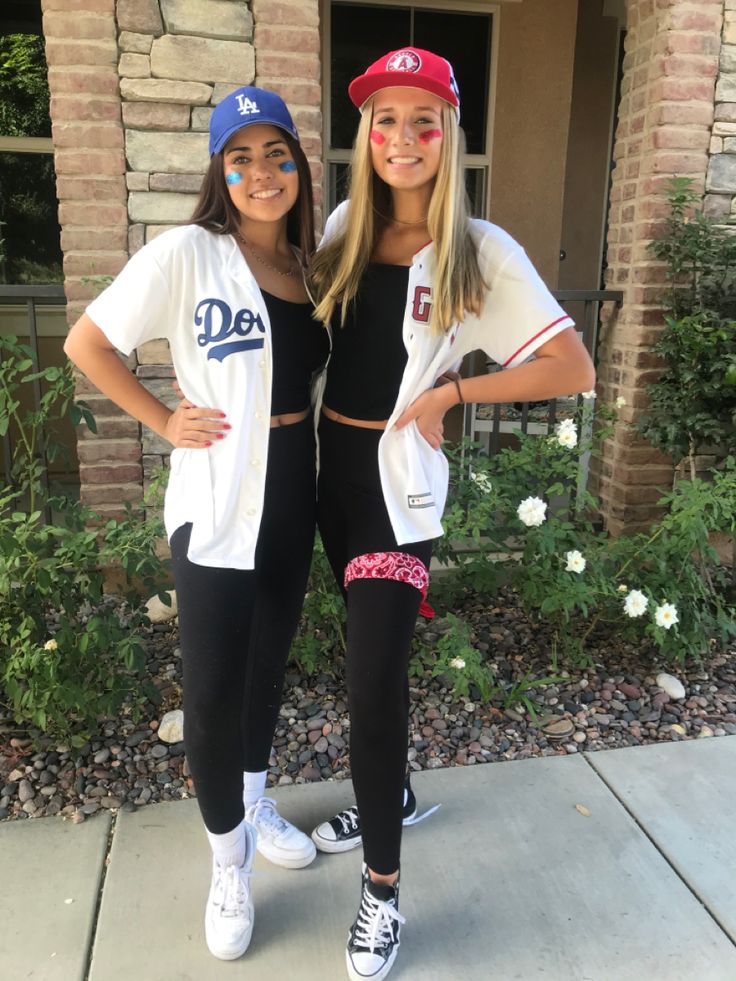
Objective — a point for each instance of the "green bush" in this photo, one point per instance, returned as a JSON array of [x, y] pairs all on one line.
[[693, 403], [321, 633], [67, 654], [529, 514]]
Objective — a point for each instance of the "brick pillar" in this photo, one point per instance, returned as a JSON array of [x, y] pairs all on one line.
[[82, 55], [287, 44], [665, 119]]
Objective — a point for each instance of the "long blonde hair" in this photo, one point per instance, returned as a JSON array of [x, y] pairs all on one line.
[[337, 269]]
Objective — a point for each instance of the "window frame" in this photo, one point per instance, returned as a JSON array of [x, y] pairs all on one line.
[[471, 161], [26, 144]]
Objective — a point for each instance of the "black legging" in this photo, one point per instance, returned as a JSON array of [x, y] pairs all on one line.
[[353, 521], [236, 629]]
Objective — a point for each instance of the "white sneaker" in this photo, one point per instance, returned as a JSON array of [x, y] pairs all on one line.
[[278, 840], [228, 918]]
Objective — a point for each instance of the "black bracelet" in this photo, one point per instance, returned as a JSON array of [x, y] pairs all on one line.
[[459, 391]]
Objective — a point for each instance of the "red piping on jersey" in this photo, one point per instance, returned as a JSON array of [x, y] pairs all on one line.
[[532, 339]]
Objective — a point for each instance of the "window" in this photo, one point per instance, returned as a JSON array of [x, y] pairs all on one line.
[[29, 230], [357, 33]]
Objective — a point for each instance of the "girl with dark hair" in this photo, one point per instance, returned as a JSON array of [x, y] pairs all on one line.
[[410, 284], [227, 292]]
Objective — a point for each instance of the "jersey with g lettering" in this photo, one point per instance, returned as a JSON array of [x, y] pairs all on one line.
[[518, 316]]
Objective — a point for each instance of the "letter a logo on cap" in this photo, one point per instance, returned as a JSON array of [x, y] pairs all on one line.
[[404, 61], [246, 106]]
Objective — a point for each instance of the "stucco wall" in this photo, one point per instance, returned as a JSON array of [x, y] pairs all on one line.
[[532, 119], [589, 148]]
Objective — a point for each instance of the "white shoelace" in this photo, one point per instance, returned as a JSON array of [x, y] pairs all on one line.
[[348, 819], [420, 817], [231, 891], [264, 814], [375, 924]]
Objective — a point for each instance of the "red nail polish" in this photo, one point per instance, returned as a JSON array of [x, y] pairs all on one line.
[[223, 415], [227, 426], [220, 435], [208, 444]]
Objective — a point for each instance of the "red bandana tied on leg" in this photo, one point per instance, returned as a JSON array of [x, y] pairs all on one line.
[[398, 566]]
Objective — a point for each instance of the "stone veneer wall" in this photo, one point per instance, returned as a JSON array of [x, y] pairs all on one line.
[[134, 84], [720, 185], [666, 118]]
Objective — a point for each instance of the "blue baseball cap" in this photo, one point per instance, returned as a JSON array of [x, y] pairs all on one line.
[[243, 108]]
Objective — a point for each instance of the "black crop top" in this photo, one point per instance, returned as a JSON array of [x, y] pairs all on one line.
[[299, 347], [368, 354]]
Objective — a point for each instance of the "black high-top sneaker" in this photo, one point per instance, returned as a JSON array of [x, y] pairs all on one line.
[[373, 940], [343, 831]]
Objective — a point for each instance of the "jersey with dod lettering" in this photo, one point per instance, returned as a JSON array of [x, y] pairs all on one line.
[[518, 316], [194, 289]]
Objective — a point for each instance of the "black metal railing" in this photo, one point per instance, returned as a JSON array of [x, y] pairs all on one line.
[[32, 297], [540, 417]]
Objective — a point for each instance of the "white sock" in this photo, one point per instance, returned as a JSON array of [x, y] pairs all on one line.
[[253, 786], [406, 795], [229, 849]]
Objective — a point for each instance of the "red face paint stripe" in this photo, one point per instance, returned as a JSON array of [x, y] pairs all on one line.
[[430, 134], [378, 138]]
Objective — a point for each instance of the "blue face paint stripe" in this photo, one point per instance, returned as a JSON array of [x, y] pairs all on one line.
[[233, 178], [288, 167]]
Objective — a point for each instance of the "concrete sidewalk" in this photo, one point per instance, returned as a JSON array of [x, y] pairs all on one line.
[[507, 881]]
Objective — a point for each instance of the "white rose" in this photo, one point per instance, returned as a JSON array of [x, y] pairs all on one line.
[[623, 589], [532, 511], [620, 402], [589, 395], [666, 615], [567, 433], [575, 561], [482, 481], [50, 645], [457, 662], [636, 603]]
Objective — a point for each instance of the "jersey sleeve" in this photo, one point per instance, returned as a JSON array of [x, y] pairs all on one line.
[[135, 307], [520, 313], [335, 223]]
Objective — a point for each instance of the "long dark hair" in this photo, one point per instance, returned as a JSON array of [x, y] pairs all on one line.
[[216, 212]]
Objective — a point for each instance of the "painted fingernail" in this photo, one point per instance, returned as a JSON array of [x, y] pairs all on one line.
[[220, 435], [223, 416], [227, 426], [208, 444]]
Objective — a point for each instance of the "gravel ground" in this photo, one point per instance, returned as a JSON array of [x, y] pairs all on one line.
[[615, 703]]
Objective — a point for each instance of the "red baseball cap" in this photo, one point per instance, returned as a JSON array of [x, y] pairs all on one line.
[[412, 67]]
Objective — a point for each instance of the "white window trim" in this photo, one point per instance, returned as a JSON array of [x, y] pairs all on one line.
[[471, 160]]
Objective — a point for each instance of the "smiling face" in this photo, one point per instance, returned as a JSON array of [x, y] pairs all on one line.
[[406, 137], [260, 173]]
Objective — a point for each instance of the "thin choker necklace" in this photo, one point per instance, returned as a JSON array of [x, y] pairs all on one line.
[[259, 258], [400, 221]]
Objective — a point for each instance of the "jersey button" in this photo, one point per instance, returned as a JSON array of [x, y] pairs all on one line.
[[252, 511], [255, 463], [262, 364]]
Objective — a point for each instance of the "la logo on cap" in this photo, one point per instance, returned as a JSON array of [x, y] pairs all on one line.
[[246, 106], [404, 61]]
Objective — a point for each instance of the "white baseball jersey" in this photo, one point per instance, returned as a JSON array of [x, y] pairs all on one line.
[[519, 315], [195, 289]]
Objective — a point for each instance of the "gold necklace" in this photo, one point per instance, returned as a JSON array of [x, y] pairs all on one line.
[[259, 258], [400, 221]]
